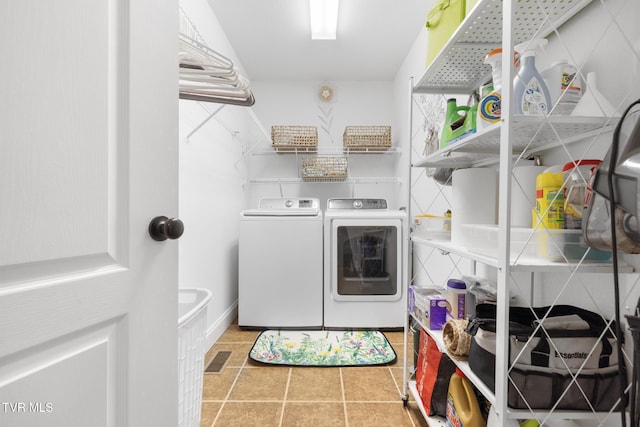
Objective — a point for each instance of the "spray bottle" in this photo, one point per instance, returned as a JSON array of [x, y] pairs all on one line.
[[489, 107], [530, 93]]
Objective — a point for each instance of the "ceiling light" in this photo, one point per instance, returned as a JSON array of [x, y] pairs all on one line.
[[324, 19]]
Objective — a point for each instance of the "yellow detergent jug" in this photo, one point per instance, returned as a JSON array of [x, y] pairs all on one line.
[[462, 404]]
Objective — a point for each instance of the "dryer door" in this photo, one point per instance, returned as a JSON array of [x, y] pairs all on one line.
[[366, 259]]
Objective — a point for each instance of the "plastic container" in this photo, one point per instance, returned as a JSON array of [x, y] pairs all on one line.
[[192, 329], [432, 227], [456, 299], [549, 207], [576, 177], [463, 408], [489, 108], [528, 244], [593, 102], [460, 120], [442, 21], [530, 93], [565, 86]]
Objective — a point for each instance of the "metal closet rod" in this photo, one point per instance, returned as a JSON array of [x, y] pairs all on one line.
[[211, 98]]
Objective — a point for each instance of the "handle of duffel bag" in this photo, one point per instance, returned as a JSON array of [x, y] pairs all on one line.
[[525, 316]]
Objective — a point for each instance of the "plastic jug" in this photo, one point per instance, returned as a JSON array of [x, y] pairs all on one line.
[[489, 108], [459, 121], [530, 92], [462, 403], [565, 86]]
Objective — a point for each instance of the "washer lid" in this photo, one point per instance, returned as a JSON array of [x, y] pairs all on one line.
[[357, 204], [286, 207]]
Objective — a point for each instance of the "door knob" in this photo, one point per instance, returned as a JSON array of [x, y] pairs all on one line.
[[163, 228]]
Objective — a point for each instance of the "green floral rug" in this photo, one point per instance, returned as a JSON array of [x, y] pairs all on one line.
[[322, 348]]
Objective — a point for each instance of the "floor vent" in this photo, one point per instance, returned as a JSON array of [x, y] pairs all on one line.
[[218, 361]]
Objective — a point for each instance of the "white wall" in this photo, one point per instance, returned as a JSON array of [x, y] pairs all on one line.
[[212, 176], [282, 103]]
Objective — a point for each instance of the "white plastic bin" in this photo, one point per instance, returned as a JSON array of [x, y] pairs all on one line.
[[192, 329]]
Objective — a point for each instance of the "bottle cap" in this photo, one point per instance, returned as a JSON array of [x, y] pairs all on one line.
[[456, 284]]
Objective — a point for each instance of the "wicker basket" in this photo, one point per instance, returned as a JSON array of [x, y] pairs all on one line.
[[294, 138], [366, 138], [323, 168]]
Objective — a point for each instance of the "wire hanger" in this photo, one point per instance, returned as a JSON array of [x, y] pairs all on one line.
[[206, 75]]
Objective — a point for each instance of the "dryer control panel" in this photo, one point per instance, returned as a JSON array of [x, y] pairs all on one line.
[[293, 203], [286, 207], [357, 204]]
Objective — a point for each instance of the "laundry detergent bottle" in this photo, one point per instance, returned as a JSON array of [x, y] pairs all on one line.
[[489, 106], [565, 86], [459, 121], [530, 93], [463, 408]]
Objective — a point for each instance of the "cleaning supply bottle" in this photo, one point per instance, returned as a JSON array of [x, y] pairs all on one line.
[[463, 408], [459, 121], [456, 299], [489, 106], [549, 207], [565, 86], [530, 93]]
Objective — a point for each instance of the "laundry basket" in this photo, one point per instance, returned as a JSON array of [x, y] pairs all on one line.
[[192, 328]]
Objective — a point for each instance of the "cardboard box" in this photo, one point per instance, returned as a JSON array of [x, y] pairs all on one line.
[[429, 306]]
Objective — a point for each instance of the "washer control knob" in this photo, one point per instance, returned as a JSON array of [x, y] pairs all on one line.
[[288, 203], [357, 204]]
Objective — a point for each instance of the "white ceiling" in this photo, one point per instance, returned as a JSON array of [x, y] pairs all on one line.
[[273, 42]]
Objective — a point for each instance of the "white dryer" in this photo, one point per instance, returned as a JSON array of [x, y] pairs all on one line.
[[280, 264], [365, 269]]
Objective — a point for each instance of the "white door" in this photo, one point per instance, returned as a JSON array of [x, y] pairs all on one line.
[[88, 156]]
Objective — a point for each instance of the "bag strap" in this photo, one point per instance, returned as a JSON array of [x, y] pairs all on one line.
[[526, 316]]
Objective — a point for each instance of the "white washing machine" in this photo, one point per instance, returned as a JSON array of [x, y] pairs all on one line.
[[365, 270], [280, 264]]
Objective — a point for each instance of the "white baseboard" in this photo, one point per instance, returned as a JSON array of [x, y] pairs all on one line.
[[217, 328]]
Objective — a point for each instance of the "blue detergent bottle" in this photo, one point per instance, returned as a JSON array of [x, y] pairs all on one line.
[[530, 93]]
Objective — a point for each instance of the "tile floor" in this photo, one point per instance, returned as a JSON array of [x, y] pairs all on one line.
[[245, 393]]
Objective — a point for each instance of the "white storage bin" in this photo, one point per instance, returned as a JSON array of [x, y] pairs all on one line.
[[432, 227], [528, 244], [192, 328]]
